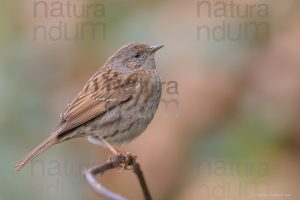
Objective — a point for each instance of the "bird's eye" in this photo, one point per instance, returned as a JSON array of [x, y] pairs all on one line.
[[137, 55]]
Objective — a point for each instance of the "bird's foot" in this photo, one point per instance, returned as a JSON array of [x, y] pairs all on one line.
[[126, 160]]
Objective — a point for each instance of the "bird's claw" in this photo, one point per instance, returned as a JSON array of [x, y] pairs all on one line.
[[126, 160]]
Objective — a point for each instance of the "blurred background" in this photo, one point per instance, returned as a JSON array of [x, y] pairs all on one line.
[[226, 129]]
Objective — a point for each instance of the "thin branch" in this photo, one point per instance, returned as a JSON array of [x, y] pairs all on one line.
[[124, 161], [139, 173]]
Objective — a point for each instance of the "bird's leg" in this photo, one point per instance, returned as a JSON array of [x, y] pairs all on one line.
[[126, 161], [109, 146]]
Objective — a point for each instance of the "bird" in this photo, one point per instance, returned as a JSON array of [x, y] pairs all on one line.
[[116, 104]]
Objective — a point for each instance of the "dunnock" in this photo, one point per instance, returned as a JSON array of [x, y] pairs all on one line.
[[116, 104]]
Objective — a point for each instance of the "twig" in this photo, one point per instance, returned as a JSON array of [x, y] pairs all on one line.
[[124, 161]]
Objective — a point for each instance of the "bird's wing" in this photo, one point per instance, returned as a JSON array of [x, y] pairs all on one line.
[[105, 90]]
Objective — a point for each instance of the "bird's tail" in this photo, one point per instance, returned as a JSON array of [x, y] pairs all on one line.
[[51, 140]]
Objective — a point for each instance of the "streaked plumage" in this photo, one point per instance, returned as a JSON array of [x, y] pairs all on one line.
[[117, 103]]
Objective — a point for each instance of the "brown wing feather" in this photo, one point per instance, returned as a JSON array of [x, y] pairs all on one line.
[[102, 92]]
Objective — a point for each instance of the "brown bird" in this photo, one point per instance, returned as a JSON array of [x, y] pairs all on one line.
[[116, 104]]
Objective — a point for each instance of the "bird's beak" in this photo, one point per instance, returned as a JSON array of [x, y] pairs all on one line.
[[155, 48]]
